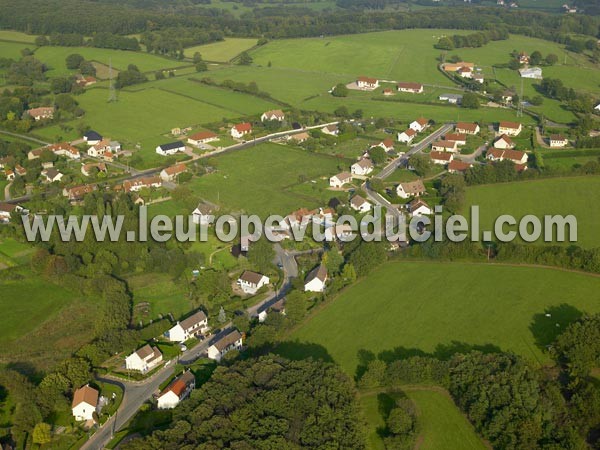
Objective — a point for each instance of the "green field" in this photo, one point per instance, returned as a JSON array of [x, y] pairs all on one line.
[[221, 51], [155, 294], [441, 425], [578, 196], [259, 180], [16, 36], [12, 49], [407, 307]]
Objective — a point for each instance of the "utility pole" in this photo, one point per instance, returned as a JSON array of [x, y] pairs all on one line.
[[112, 93], [520, 105]]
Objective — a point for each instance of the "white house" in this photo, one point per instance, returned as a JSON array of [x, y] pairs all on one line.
[[479, 78], [202, 215], [362, 167], [337, 181], [277, 307], [92, 138], [85, 402], [251, 282], [419, 125], [144, 359], [467, 128], [360, 204], [407, 136], [51, 175], [444, 146], [316, 279], [367, 83], [43, 112], [465, 72], [341, 231], [188, 328], [413, 88], [418, 208], [203, 137], [231, 341], [331, 130], [515, 156], [240, 130], [410, 189], [504, 142], [171, 148], [171, 173], [454, 99], [597, 107], [441, 158], [6, 211], [387, 144], [531, 72], [558, 140], [138, 184], [275, 114], [510, 128], [177, 390]]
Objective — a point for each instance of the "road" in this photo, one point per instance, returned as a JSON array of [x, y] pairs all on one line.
[[137, 393]]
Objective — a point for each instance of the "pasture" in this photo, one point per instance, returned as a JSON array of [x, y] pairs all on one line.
[[16, 36], [222, 51], [12, 50], [260, 180], [578, 196], [441, 424], [401, 309]]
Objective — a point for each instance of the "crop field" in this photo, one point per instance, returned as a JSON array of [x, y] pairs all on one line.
[[222, 51], [259, 180], [400, 310], [441, 424], [578, 196], [55, 57]]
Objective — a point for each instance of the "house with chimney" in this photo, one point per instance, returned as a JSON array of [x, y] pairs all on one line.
[[224, 344], [176, 391], [275, 114], [240, 130], [411, 189], [196, 324], [144, 359], [85, 403], [250, 282], [316, 279]]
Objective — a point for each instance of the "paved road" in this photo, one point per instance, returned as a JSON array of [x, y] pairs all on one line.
[[7, 191]]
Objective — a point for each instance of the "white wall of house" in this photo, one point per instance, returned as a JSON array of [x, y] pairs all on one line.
[[314, 285], [83, 411]]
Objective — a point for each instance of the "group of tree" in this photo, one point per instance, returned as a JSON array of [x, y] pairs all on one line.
[[130, 76], [101, 39], [473, 40], [576, 101], [77, 62]]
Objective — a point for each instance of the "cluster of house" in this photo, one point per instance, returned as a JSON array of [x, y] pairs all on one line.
[[8, 209], [370, 84], [100, 147], [464, 70], [41, 113], [415, 127]]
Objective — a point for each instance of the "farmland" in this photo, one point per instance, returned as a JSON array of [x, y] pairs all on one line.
[[562, 196], [258, 180], [400, 309], [441, 424], [221, 51]]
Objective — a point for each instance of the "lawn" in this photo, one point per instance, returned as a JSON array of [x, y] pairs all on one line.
[[400, 309], [578, 196], [259, 180], [222, 51], [441, 424]]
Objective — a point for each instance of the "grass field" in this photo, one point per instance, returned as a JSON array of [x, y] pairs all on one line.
[[441, 425], [578, 196], [16, 36], [221, 51], [12, 49], [400, 309], [258, 180]]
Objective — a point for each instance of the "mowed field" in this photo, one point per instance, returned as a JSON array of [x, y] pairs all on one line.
[[441, 424], [579, 196], [262, 180], [12, 49], [221, 51], [405, 308]]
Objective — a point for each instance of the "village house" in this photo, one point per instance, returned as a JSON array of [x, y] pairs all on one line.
[[298, 218], [410, 189], [51, 175], [467, 128], [171, 148], [331, 130], [240, 130], [41, 113], [144, 359], [504, 142], [300, 137], [85, 403], [419, 125], [177, 391], [138, 184], [316, 279], [558, 140], [515, 156], [479, 78], [103, 147], [465, 72], [92, 137], [323, 216], [367, 83], [454, 99], [188, 328], [454, 67], [441, 158], [407, 136], [85, 81], [531, 72], [523, 58], [460, 139], [203, 137], [20, 170], [202, 215], [386, 144], [171, 173], [387, 92], [78, 192], [275, 114], [338, 181], [62, 149], [444, 146], [223, 345], [413, 88], [250, 282], [360, 204], [342, 231], [418, 207], [458, 166], [510, 128], [277, 307], [362, 167], [7, 210], [9, 174], [86, 169]]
